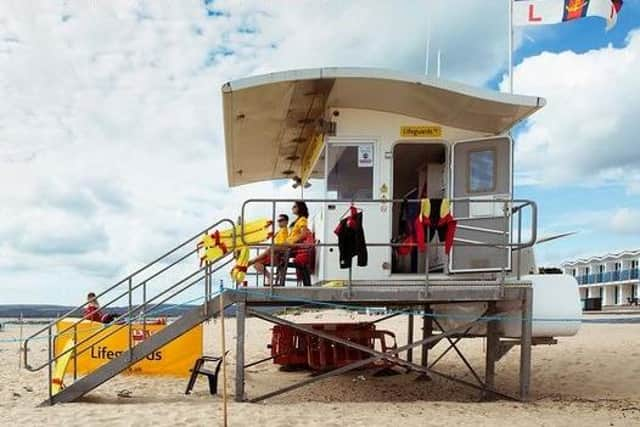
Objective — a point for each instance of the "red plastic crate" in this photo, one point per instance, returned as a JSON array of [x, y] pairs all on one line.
[[293, 348], [288, 347]]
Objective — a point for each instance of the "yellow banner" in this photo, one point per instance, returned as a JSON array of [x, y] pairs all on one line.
[[174, 359], [421, 131], [311, 156]]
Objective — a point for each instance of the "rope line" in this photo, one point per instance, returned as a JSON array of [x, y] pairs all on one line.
[[343, 306], [354, 307]]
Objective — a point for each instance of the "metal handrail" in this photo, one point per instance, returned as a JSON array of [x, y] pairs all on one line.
[[128, 292], [508, 211], [138, 308], [522, 203]]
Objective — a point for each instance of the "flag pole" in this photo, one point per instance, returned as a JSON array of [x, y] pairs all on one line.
[[426, 62], [510, 46]]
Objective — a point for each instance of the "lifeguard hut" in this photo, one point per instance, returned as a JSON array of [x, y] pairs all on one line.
[[382, 142]]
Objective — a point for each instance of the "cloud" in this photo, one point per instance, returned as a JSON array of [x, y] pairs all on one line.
[[622, 221], [626, 221], [111, 132], [587, 133]]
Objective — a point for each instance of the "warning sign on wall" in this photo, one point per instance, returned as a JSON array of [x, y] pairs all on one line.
[[365, 156]]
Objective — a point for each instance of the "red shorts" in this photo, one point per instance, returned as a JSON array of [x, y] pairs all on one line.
[[266, 258], [302, 257]]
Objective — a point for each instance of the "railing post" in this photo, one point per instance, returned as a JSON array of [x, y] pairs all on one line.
[[506, 238], [519, 268], [426, 262], [144, 307], [129, 319], [75, 352], [272, 257], [207, 288], [50, 366]]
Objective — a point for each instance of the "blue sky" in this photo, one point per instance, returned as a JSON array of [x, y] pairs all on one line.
[[110, 147], [571, 207]]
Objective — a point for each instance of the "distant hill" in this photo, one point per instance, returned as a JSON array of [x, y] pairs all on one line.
[[32, 311], [38, 311]]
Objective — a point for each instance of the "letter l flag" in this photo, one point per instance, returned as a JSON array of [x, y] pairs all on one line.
[[547, 12]]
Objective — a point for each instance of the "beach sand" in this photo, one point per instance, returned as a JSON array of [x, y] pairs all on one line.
[[590, 379]]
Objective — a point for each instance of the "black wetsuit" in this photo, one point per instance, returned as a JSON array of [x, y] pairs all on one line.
[[351, 242]]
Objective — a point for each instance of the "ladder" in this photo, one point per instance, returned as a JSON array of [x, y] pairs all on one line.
[[148, 286]]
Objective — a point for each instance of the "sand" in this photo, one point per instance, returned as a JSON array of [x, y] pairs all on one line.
[[590, 379]]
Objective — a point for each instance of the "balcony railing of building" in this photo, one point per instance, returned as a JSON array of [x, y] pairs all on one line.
[[609, 276]]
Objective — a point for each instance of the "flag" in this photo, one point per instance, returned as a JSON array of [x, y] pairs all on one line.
[[545, 12]]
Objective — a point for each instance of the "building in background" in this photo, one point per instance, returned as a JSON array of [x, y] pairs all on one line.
[[613, 279]]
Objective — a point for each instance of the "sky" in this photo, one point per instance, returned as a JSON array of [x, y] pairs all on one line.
[[111, 137]]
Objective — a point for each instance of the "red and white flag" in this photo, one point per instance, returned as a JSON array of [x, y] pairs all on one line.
[[545, 12]]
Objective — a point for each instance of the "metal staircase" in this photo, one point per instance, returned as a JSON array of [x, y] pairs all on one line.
[[151, 286], [109, 370]]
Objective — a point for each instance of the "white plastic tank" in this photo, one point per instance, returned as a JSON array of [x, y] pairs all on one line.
[[556, 308]]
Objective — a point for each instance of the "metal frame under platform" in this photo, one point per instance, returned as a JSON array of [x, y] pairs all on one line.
[[248, 302]]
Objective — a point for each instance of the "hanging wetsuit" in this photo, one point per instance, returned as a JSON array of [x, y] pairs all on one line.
[[436, 214], [406, 226], [351, 240]]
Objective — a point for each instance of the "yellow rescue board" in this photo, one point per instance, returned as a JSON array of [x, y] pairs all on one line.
[[239, 272], [254, 232], [218, 243], [61, 368]]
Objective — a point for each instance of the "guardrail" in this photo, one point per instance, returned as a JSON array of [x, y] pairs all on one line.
[[510, 207], [125, 288], [609, 276]]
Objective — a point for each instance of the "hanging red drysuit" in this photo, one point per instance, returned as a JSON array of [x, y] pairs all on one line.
[[438, 218]]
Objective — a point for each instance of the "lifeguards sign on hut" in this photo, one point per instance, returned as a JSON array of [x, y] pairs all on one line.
[[174, 359], [421, 131]]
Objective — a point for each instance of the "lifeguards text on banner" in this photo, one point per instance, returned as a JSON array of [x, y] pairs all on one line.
[[174, 359]]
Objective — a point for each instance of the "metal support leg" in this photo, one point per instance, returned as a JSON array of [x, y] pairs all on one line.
[[525, 344], [493, 342], [410, 339], [241, 310], [427, 331]]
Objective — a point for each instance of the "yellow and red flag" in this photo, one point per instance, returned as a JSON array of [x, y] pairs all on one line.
[[546, 12]]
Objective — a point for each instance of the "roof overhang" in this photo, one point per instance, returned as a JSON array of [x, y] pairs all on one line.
[[271, 120]]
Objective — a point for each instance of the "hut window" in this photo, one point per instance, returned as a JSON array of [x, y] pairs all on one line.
[[349, 177], [482, 171]]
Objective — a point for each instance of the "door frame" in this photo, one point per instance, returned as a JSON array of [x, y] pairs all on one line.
[[447, 158]]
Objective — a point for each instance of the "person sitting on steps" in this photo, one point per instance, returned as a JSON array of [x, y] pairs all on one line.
[[92, 309]]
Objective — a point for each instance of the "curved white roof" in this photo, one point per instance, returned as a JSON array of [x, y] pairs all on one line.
[[269, 119], [609, 256]]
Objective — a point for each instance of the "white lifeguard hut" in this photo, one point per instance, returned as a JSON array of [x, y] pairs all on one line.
[[378, 140], [372, 135]]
